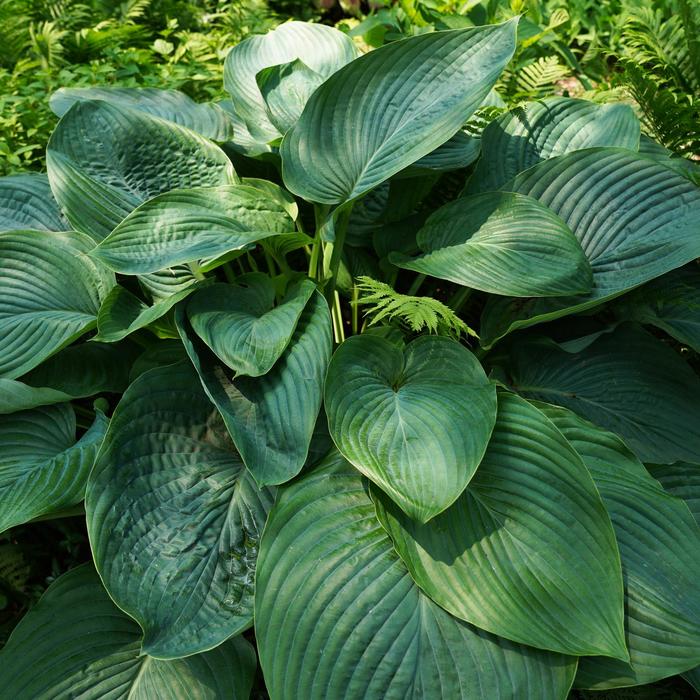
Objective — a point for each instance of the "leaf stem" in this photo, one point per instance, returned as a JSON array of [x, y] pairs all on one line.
[[416, 285], [459, 298]]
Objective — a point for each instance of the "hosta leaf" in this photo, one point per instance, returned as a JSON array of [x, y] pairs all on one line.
[[207, 119], [389, 108], [338, 616], [671, 302], [26, 203], [659, 543], [502, 243], [240, 325], [681, 480], [415, 421], [50, 292], [270, 418], [322, 49], [635, 220], [122, 313], [42, 468], [76, 643], [174, 518], [626, 381], [187, 225], [286, 89], [459, 152], [547, 128], [75, 372], [527, 551], [104, 161], [683, 166]]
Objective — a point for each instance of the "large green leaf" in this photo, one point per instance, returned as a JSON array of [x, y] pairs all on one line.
[[122, 312], [173, 516], [415, 421], [270, 418], [501, 243], [50, 292], [389, 108], [26, 203], [104, 161], [321, 48], [634, 218], [671, 302], [536, 131], [286, 89], [527, 551], [75, 643], [241, 325], [42, 468], [337, 615], [682, 480], [188, 225], [75, 372], [659, 545], [626, 381], [207, 119]]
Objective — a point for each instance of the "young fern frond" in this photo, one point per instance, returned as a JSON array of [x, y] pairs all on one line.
[[413, 312], [536, 79]]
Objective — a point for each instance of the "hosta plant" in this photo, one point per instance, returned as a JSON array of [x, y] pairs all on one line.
[[403, 399]]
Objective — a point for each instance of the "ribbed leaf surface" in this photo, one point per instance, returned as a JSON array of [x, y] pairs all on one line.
[[270, 418], [682, 480], [659, 544], [389, 108], [337, 615], [626, 381], [240, 324], [104, 161], [501, 243], [42, 471], [634, 218], [527, 551], [75, 643], [415, 421], [26, 203], [671, 303], [206, 119], [188, 225], [173, 516], [50, 292], [551, 127], [323, 49]]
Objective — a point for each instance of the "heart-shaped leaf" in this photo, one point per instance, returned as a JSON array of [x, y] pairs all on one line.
[[547, 128], [527, 551], [286, 89], [26, 203], [103, 161], [390, 107], [240, 324], [42, 469], [338, 616], [174, 517], [321, 48], [415, 421], [634, 218], [50, 293], [502, 243], [75, 642], [659, 544], [187, 225], [626, 381], [209, 120], [270, 418]]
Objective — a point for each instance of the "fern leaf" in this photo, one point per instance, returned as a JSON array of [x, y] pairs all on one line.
[[413, 312]]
